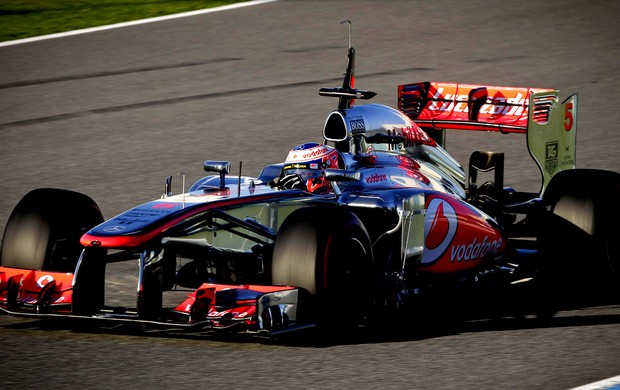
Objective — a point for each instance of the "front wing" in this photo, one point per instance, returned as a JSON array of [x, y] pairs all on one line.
[[255, 309]]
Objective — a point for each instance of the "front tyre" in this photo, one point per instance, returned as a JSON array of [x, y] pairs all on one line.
[[44, 230], [327, 251]]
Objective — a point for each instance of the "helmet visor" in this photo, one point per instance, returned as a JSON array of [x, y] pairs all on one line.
[[305, 174]]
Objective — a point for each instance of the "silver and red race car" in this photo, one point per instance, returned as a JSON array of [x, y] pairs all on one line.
[[398, 223]]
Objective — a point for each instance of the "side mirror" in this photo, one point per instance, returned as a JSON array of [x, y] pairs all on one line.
[[221, 167], [334, 175], [342, 175], [167, 187]]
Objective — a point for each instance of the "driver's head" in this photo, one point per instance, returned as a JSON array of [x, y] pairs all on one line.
[[308, 161]]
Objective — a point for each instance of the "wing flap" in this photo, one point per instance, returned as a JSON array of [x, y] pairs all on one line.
[[549, 124], [439, 106]]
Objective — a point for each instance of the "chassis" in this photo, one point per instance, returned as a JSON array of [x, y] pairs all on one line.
[[403, 224]]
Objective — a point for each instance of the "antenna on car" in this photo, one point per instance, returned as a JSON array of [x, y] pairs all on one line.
[[239, 179], [182, 174], [347, 93], [350, 26]]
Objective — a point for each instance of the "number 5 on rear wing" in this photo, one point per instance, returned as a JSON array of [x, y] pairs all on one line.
[[550, 126]]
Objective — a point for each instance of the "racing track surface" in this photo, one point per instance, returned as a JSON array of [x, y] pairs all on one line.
[[112, 113]]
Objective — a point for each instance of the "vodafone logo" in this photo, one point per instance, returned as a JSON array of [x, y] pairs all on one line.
[[439, 229], [44, 280], [457, 237], [315, 153], [475, 250], [376, 178]]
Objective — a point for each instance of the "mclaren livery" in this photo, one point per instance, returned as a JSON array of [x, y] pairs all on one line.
[[395, 219]]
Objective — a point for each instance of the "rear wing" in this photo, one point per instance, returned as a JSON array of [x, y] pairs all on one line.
[[550, 126]]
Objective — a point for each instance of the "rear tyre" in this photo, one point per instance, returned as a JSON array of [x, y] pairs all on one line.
[[44, 230], [328, 253], [580, 236]]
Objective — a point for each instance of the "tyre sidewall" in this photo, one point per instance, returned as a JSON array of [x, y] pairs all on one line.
[[52, 222]]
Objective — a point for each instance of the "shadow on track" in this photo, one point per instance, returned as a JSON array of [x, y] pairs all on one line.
[[396, 330]]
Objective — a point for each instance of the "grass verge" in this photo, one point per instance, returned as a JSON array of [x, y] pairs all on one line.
[[28, 18]]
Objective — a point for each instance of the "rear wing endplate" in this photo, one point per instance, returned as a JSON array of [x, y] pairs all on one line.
[[550, 126]]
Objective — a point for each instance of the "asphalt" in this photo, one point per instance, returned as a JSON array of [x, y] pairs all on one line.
[[112, 113]]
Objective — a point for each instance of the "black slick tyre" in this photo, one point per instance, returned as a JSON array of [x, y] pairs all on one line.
[[327, 251], [44, 230], [580, 237]]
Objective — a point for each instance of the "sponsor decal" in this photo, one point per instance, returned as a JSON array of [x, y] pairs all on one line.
[[307, 151], [218, 314], [413, 135], [376, 178], [551, 157], [153, 212], [319, 151], [440, 226], [357, 126], [307, 145], [501, 105], [455, 238], [316, 153], [269, 300], [164, 205], [568, 162], [475, 250], [296, 166], [568, 117], [114, 229], [44, 280]]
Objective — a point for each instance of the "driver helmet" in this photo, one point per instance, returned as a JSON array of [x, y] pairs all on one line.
[[308, 160]]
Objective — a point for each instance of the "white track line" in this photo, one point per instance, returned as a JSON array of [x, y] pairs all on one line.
[[135, 22], [609, 383]]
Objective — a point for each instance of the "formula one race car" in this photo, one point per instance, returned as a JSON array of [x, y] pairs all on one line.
[[397, 221]]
